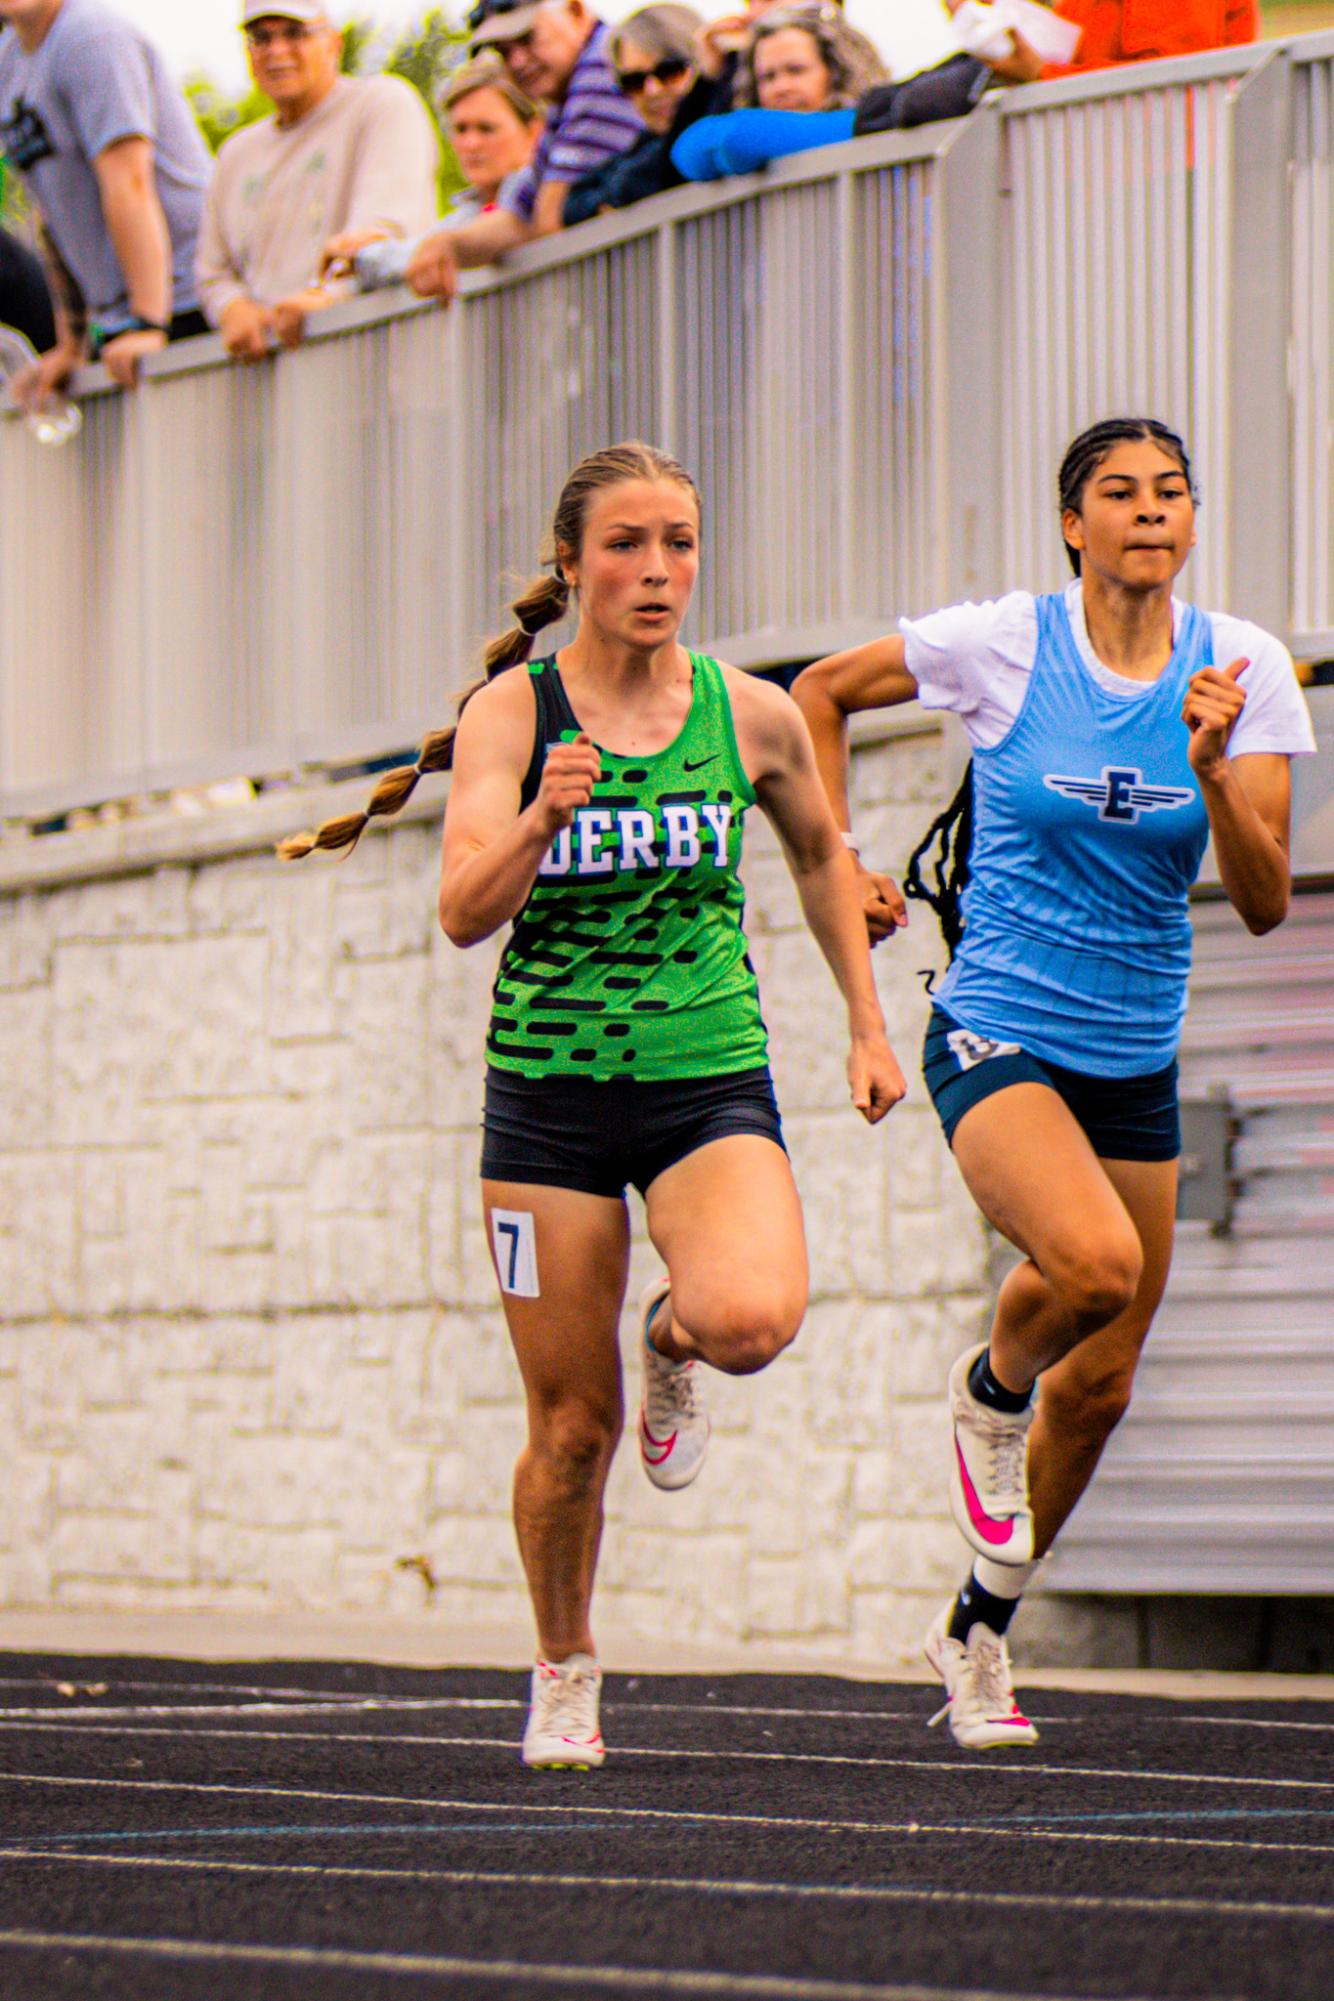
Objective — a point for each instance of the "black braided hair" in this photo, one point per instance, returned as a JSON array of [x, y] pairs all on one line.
[[947, 847], [1091, 447]]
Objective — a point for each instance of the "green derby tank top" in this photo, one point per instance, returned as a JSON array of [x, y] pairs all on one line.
[[629, 958]]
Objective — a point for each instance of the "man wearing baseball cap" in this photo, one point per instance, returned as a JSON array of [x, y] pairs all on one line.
[[93, 120], [556, 52], [342, 161]]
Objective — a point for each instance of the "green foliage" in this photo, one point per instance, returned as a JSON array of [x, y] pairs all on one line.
[[217, 116], [358, 42], [424, 57], [17, 214]]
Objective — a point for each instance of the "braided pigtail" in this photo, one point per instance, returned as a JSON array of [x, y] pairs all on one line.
[[542, 602], [950, 835]]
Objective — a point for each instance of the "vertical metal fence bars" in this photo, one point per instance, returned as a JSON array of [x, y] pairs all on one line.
[[870, 357], [1311, 491], [1120, 228]]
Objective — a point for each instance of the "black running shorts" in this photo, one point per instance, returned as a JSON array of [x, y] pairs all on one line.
[[1125, 1118], [576, 1132]]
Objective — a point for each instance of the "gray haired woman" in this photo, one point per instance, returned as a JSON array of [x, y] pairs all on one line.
[[654, 53]]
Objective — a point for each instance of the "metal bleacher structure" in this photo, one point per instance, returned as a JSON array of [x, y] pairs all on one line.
[[871, 357]]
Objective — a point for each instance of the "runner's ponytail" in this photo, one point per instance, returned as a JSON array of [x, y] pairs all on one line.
[[543, 601], [951, 836]]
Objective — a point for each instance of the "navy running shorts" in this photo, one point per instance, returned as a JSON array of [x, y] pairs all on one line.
[[577, 1132], [1125, 1118]]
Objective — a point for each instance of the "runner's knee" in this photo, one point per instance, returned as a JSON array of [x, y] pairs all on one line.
[[744, 1338], [575, 1439], [1098, 1282]]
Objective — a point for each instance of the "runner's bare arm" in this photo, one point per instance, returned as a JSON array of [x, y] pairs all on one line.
[[874, 676], [1248, 799], [492, 849], [776, 750], [1250, 812], [827, 693]]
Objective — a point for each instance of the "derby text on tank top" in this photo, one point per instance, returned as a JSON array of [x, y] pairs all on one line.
[[628, 959], [1090, 830]]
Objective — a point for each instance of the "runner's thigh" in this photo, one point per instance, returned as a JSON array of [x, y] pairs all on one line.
[[561, 1259], [1033, 1174], [727, 1222]]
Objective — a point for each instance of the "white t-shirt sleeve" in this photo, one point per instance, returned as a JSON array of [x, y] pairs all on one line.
[[975, 660], [1275, 717]]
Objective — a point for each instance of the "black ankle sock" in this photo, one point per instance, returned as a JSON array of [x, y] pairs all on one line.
[[988, 1390], [975, 1603]]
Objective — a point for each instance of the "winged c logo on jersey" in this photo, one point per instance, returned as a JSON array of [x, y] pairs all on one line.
[[1120, 794]]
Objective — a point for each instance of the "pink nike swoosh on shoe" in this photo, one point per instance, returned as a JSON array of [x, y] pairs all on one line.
[[664, 1446], [986, 1525]]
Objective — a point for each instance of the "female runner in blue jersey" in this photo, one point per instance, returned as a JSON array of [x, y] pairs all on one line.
[[1114, 729]]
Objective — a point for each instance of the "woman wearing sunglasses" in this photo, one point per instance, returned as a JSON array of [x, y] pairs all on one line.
[[654, 58]]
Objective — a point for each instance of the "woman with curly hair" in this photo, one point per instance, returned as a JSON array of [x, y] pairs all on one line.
[[801, 73]]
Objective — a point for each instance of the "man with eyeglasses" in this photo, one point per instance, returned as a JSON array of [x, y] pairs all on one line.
[[342, 162], [556, 52], [92, 118]]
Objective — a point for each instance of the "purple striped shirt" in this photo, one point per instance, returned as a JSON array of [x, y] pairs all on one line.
[[591, 125]]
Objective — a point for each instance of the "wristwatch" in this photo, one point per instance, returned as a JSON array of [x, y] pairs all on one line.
[[100, 336]]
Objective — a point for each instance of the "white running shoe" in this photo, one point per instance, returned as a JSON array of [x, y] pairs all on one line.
[[989, 1472], [673, 1423], [563, 1732], [979, 1688]]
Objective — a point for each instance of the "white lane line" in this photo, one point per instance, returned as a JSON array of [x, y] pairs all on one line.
[[867, 1763], [782, 1822], [54, 1712], [840, 1893], [310, 1701], [634, 1979]]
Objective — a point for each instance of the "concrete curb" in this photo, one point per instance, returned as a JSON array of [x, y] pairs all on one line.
[[426, 1643]]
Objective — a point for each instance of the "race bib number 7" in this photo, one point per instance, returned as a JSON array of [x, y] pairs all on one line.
[[514, 1247]]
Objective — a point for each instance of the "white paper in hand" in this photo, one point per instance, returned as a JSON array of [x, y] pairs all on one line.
[[985, 30]]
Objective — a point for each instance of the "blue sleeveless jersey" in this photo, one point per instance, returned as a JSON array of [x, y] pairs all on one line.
[[1089, 832]]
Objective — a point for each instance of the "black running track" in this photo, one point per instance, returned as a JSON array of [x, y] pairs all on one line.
[[177, 1830]]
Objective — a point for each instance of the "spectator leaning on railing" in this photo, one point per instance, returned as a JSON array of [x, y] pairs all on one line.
[[104, 138], [493, 129], [654, 53], [556, 52], [343, 161], [801, 73]]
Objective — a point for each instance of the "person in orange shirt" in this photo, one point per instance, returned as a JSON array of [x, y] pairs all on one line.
[[1131, 31]]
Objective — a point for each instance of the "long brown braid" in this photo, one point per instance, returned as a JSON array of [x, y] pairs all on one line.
[[543, 601]]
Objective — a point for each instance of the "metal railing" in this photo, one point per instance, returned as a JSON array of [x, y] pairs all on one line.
[[871, 358]]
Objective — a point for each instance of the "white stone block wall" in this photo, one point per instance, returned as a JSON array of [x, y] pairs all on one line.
[[251, 1353]]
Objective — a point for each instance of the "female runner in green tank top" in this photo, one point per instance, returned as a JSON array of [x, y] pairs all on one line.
[[597, 805]]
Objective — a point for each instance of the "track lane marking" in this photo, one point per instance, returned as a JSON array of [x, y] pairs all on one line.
[[284, 1702], [1027, 1769], [633, 1814], [646, 1980], [697, 1886]]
